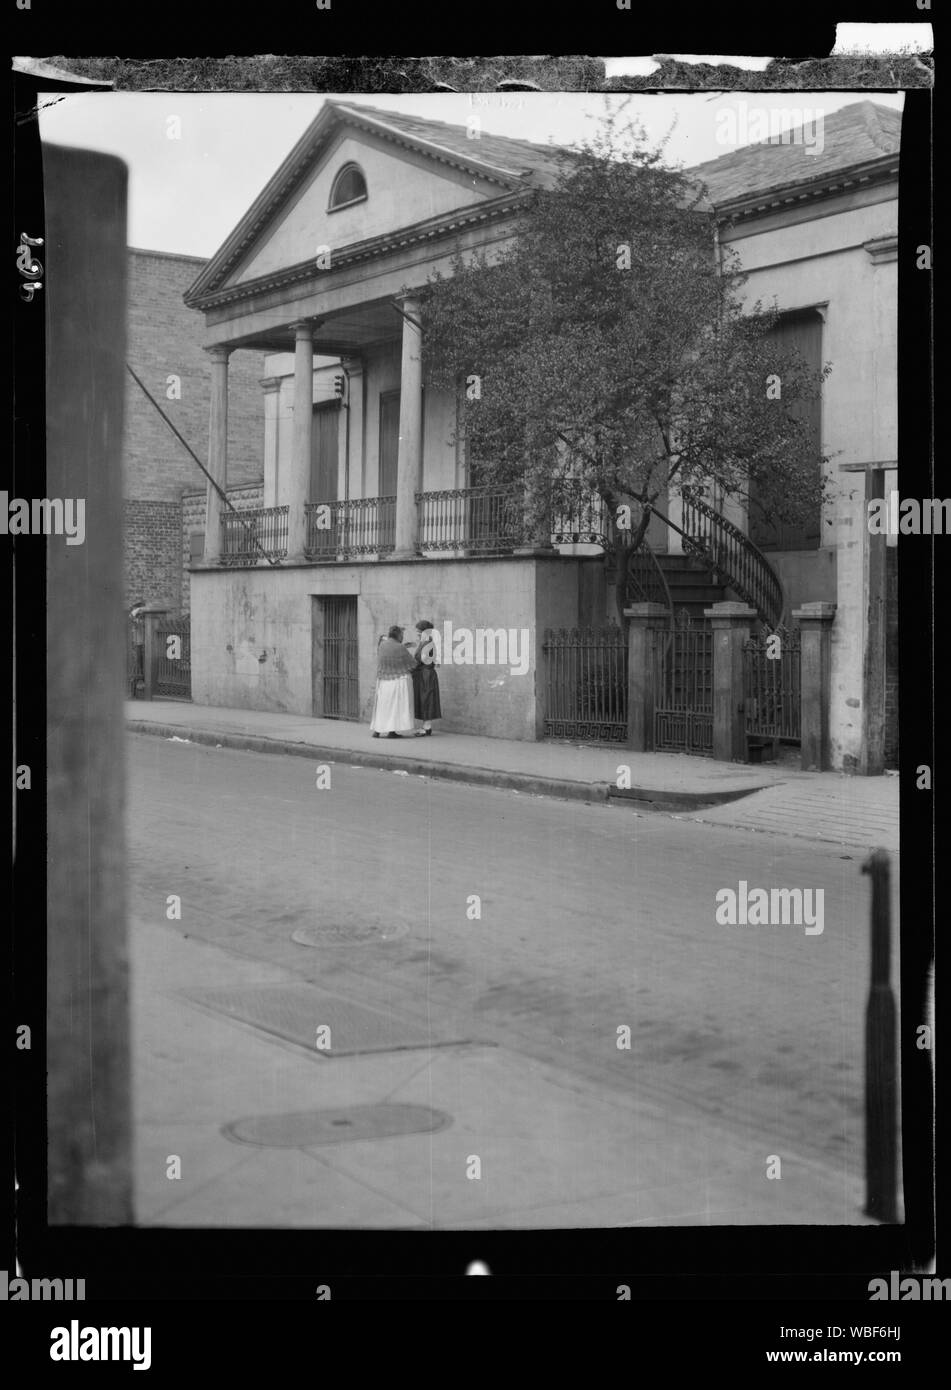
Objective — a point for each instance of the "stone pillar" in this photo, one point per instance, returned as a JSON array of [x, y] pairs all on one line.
[[217, 452], [815, 627], [272, 396], [731, 624], [298, 493], [409, 464], [643, 622]]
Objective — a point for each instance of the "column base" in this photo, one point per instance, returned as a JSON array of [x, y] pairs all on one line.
[[404, 555]]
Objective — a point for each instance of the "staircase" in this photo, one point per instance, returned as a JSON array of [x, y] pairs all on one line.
[[692, 584]]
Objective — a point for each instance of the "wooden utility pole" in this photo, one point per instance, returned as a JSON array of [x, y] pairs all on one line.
[[881, 1063], [88, 1115]]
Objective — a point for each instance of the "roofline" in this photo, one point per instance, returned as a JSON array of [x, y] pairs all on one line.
[[433, 228], [877, 170], [290, 173], [167, 255]]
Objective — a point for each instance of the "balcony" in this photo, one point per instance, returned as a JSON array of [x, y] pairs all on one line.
[[458, 522]]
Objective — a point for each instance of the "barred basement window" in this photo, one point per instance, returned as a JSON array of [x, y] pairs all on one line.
[[348, 187]]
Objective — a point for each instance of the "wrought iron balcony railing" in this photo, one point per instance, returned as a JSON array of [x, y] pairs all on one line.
[[480, 519], [253, 534], [357, 526]]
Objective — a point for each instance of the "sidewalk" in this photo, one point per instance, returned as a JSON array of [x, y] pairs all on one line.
[[858, 811], [271, 1133]]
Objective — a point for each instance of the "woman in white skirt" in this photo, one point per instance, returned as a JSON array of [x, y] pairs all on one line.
[[393, 705]]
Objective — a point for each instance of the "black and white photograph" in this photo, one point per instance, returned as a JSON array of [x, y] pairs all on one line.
[[473, 525]]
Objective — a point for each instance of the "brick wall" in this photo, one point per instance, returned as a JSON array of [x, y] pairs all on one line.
[[164, 340], [153, 566], [891, 656], [190, 525]]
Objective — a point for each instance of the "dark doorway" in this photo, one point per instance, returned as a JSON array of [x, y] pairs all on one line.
[[389, 441], [324, 453], [335, 658], [800, 333]]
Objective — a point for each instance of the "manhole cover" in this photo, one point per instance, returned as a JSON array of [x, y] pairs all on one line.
[[297, 1011], [349, 933], [302, 1128]]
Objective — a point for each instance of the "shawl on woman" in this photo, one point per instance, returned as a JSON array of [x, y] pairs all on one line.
[[392, 659]]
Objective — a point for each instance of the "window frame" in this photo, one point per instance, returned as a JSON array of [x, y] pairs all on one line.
[[351, 202]]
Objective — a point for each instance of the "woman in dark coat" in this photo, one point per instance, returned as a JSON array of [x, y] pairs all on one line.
[[426, 706]]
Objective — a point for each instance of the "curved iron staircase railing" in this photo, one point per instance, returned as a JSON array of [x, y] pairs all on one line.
[[739, 563], [736, 561], [644, 578]]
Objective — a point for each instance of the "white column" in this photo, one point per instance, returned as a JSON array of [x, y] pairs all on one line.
[[217, 451], [272, 387], [299, 491], [409, 465], [353, 478]]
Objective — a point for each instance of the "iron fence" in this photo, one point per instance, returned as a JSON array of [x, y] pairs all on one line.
[[773, 685], [586, 684], [253, 534], [683, 690], [173, 656]]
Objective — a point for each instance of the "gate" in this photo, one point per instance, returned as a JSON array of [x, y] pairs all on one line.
[[172, 657], [341, 697], [772, 681], [135, 657], [683, 687], [586, 684]]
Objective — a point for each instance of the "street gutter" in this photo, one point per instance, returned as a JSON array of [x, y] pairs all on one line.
[[639, 798]]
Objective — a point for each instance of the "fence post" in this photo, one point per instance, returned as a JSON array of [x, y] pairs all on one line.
[[815, 626], [881, 1110], [643, 620], [731, 624], [151, 618]]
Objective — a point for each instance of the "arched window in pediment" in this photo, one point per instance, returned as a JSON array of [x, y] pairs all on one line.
[[348, 187]]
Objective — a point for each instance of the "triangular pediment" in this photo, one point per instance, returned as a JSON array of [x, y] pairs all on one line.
[[415, 171]]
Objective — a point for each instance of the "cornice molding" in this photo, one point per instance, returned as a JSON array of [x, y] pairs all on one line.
[[299, 163], [433, 229], [752, 205], [882, 249]]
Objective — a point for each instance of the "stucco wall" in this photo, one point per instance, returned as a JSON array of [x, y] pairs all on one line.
[[823, 262], [252, 632], [401, 189]]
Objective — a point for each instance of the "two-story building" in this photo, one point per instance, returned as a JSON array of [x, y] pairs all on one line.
[[368, 515]]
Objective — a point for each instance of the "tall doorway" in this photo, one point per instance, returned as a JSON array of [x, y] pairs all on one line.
[[325, 453], [335, 658], [800, 332]]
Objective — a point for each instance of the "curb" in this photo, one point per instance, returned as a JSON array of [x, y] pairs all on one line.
[[562, 788]]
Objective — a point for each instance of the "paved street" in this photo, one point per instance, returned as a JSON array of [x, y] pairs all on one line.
[[501, 1014]]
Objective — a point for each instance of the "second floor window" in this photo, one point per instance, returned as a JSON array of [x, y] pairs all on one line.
[[348, 187]]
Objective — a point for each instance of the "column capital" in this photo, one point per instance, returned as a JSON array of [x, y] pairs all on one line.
[[219, 352], [271, 383], [304, 329]]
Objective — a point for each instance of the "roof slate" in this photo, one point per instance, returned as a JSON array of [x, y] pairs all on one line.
[[854, 135], [509, 156]]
